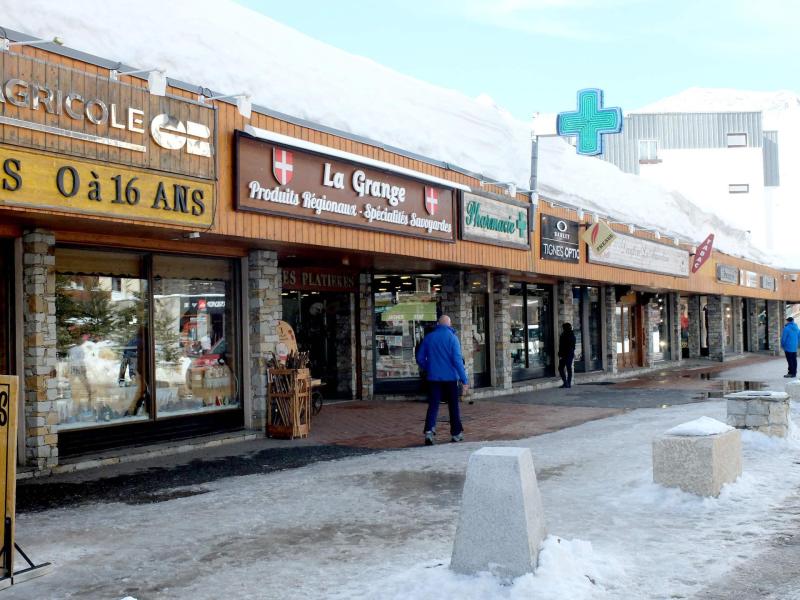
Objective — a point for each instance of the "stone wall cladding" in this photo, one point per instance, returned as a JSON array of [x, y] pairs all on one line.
[[774, 325], [738, 325], [675, 327], [612, 328], [716, 328], [769, 415], [457, 304], [265, 310], [502, 331], [39, 360], [366, 325], [695, 316], [646, 342]]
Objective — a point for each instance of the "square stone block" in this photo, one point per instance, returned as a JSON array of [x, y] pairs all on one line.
[[699, 464], [763, 411], [501, 523]]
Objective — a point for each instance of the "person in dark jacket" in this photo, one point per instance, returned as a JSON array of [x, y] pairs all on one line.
[[789, 342], [566, 354], [439, 356]]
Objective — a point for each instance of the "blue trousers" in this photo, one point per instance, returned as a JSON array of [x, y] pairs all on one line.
[[438, 391], [791, 358]]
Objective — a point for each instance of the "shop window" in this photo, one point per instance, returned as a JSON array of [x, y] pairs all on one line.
[[100, 366], [659, 327], [531, 342], [406, 309], [194, 333], [107, 345], [762, 325], [736, 140], [648, 151]]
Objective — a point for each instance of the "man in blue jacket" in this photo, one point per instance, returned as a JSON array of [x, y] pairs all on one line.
[[789, 340], [439, 356]]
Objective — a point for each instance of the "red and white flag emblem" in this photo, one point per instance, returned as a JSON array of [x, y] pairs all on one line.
[[282, 165], [431, 200]]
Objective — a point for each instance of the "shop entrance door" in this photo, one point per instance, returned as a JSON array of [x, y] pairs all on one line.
[[627, 346], [480, 347], [6, 312], [323, 324]]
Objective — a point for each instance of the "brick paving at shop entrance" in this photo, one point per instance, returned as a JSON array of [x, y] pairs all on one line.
[[397, 424]]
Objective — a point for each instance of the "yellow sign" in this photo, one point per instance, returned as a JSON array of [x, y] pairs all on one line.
[[287, 342], [62, 183], [8, 469], [599, 237]]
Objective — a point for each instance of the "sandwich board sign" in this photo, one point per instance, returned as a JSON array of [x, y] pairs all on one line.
[[9, 387]]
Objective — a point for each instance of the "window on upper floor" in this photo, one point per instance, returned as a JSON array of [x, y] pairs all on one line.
[[737, 140], [648, 151], [739, 188]]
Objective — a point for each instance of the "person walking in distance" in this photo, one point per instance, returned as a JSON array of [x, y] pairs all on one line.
[[789, 341], [439, 356], [566, 354]]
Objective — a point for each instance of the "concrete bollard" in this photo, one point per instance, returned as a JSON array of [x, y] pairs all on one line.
[[501, 524], [698, 457]]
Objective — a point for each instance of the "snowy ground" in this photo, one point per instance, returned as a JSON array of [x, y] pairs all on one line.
[[381, 526]]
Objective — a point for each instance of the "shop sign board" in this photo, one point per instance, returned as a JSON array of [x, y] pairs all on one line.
[[318, 280], [287, 342], [768, 283], [286, 181], [492, 219], [643, 255], [727, 274], [8, 470], [560, 239], [703, 253], [50, 107], [748, 279], [599, 237], [65, 184]]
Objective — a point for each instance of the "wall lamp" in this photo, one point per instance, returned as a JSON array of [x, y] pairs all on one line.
[[156, 79], [511, 187], [244, 102], [5, 43]]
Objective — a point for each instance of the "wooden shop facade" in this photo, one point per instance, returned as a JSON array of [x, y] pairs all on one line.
[[150, 244]]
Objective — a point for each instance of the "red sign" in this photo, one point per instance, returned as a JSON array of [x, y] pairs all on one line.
[[703, 253], [282, 165], [431, 200]]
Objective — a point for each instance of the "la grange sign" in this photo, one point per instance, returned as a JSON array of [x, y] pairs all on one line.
[[47, 106], [285, 181]]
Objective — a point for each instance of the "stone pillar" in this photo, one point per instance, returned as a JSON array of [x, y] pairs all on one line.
[[695, 317], [611, 327], [674, 300], [752, 324], [774, 325], [39, 360], [647, 323], [457, 304], [738, 325], [502, 331], [264, 300], [716, 328], [366, 327], [566, 311]]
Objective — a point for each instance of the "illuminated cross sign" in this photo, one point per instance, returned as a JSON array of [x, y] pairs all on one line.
[[590, 122]]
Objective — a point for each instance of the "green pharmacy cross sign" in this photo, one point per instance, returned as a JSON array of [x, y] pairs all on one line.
[[590, 122]]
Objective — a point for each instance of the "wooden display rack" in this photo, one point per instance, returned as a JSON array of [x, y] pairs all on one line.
[[289, 403]]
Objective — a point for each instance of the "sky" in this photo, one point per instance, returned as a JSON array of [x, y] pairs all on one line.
[[533, 55]]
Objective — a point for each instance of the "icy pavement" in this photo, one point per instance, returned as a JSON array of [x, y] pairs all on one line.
[[382, 525]]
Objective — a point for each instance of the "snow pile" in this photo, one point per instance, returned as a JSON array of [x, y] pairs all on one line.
[[700, 427], [232, 49], [567, 569], [597, 185]]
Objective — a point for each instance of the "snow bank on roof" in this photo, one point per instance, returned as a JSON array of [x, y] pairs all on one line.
[[699, 99], [597, 185], [231, 49], [221, 45], [700, 427]]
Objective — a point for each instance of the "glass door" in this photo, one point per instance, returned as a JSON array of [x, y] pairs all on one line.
[[627, 347], [761, 324], [531, 315], [727, 314]]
